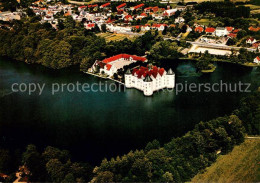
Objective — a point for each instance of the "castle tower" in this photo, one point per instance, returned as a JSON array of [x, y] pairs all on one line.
[[148, 86], [128, 77], [170, 79]]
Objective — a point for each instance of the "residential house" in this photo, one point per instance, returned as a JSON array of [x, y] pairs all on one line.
[[210, 30], [257, 60], [111, 65], [199, 29], [250, 40], [179, 20], [221, 31]]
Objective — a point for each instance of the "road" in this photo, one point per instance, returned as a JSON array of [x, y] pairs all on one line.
[[210, 45], [219, 46]]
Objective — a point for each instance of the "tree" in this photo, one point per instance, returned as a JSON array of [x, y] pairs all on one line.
[[155, 144], [55, 153], [102, 177], [33, 161], [5, 161], [85, 64], [241, 34], [10, 5], [56, 170], [167, 177]]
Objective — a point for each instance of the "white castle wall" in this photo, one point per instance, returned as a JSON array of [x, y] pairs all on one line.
[[160, 82]]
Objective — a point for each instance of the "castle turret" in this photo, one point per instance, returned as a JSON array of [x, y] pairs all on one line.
[[128, 79], [170, 79], [148, 86]]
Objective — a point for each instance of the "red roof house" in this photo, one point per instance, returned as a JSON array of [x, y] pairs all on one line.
[[199, 29], [105, 5], [210, 30], [121, 6], [229, 29], [138, 6]]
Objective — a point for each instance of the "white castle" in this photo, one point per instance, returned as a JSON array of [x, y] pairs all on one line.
[[149, 79]]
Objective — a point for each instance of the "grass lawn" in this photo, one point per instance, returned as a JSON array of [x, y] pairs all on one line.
[[241, 165], [114, 37], [206, 22]]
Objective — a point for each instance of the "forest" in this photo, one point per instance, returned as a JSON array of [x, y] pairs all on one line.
[[37, 43]]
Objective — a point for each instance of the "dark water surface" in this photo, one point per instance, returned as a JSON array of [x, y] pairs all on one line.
[[95, 125]]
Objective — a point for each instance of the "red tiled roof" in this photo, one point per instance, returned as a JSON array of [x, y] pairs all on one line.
[[143, 14], [138, 6], [251, 39], [82, 7], [236, 31], [144, 71], [210, 29], [121, 6], [254, 29], [105, 5], [92, 5], [256, 44], [108, 66], [128, 17], [229, 29], [232, 35], [199, 29], [126, 56]]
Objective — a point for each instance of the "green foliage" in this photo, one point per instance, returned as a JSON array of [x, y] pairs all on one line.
[[163, 50], [5, 161], [248, 112], [54, 165], [9, 4], [180, 159], [223, 9]]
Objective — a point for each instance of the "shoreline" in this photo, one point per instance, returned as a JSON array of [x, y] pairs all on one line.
[[104, 77], [224, 61]]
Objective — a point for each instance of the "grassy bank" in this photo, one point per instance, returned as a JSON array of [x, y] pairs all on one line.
[[241, 165]]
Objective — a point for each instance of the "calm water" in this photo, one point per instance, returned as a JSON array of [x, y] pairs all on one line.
[[95, 125]]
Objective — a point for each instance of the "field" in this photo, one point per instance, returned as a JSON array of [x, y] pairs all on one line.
[[115, 37], [206, 22], [241, 165]]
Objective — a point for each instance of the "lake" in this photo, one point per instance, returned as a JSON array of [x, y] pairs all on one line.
[[94, 125]]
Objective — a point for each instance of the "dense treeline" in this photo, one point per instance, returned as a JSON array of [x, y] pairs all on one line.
[[33, 42], [51, 165], [224, 9], [249, 113], [182, 158]]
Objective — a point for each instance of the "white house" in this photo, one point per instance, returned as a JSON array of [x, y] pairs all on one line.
[[179, 20], [159, 27], [111, 65], [257, 60], [250, 40], [48, 18], [169, 12], [149, 79], [221, 31]]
